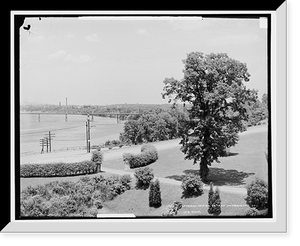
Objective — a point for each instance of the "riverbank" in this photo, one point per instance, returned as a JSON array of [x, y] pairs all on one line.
[[110, 154]]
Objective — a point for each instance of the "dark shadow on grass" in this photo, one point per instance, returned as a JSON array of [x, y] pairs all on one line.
[[230, 154], [140, 186], [219, 176], [186, 195]]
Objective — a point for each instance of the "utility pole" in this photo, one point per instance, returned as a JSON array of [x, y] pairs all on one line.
[[49, 137], [46, 142], [42, 143], [88, 134]]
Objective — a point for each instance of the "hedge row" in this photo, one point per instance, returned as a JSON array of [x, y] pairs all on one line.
[[147, 156], [58, 169]]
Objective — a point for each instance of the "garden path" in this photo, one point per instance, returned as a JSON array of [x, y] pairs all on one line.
[[230, 189]]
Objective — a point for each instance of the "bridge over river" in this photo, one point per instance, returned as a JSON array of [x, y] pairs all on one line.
[[119, 116]]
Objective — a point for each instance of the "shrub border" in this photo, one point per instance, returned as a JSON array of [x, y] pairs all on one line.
[[58, 169], [147, 156]]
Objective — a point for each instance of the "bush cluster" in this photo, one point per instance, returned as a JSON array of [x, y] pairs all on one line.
[[67, 198], [147, 156], [252, 212], [59, 169], [113, 143], [173, 210], [257, 194], [192, 185], [97, 156], [143, 177]]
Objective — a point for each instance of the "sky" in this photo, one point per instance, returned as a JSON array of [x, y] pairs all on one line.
[[113, 60]]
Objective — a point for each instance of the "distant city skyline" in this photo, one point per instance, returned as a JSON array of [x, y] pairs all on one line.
[[125, 60]]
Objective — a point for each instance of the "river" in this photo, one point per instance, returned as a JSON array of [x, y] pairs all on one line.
[[67, 134]]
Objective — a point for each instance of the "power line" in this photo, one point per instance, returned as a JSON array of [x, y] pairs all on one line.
[[59, 129]]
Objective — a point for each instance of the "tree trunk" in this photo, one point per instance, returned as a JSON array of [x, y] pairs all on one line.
[[204, 170], [98, 167]]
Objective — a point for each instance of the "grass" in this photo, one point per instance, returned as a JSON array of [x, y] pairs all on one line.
[[245, 162], [136, 202]]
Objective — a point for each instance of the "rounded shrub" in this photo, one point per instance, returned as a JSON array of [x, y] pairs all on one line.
[[192, 185], [143, 177], [257, 194], [98, 204], [147, 156], [97, 156]]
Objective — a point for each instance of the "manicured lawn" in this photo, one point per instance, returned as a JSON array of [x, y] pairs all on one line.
[[245, 162], [136, 202]]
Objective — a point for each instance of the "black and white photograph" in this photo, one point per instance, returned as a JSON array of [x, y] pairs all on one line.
[[144, 116]]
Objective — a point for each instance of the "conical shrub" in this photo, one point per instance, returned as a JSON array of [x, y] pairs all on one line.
[[155, 194]]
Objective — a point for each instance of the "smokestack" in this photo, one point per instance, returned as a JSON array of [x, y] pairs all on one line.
[[66, 118]]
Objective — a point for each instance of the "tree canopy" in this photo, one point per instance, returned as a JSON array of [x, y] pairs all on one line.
[[213, 85], [153, 126]]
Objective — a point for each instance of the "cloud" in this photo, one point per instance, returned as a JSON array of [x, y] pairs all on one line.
[[63, 55], [69, 35], [78, 59], [36, 38], [142, 32], [92, 37], [58, 54]]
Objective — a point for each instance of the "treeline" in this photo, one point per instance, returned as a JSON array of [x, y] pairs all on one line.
[[164, 124], [257, 111], [95, 109], [157, 125]]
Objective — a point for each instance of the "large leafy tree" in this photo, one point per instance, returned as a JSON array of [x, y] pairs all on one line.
[[213, 86]]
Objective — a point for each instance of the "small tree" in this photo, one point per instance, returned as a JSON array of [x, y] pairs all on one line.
[[217, 202], [214, 201], [155, 194], [210, 198], [97, 157]]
